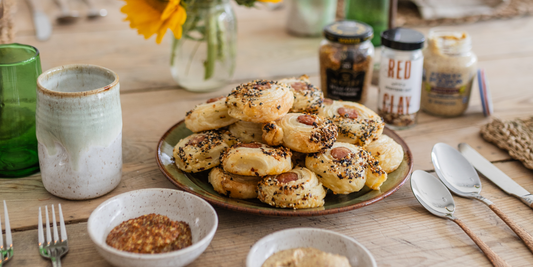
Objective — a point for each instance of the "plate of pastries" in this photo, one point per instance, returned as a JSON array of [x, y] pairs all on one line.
[[280, 148]]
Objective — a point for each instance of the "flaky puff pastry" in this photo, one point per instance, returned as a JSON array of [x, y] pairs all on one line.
[[209, 116], [255, 159], [247, 132], [345, 168], [201, 151], [233, 185], [300, 132], [297, 189], [260, 101], [307, 97], [387, 152], [357, 124]]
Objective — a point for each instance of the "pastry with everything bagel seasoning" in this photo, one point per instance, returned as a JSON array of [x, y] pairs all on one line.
[[233, 185], [260, 101], [300, 132], [256, 159], [297, 189], [387, 151], [201, 151], [346, 168], [307, 97], [209, 116], [356, 123], [247, 132]]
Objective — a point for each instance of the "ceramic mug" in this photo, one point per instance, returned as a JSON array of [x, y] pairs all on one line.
[[79, 131]]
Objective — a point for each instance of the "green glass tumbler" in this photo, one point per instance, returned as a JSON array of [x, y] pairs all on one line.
[[19, 68], [372, 12]]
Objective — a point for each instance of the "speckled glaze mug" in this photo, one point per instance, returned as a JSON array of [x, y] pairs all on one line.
[[79, 131]]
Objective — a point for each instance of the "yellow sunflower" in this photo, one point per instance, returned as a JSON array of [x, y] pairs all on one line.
[[151, 17]]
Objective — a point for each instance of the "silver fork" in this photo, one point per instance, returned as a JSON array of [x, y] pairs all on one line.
[[6, 253], [53, 250]]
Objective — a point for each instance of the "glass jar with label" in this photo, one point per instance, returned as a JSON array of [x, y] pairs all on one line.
[[449, 71], [346, 60], [400, 77]]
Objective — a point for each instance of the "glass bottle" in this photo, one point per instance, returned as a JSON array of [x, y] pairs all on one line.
[[372, 12], [307, 18], [19, 68], [346, 61], [450, 67], [400, 77], [204, 58]]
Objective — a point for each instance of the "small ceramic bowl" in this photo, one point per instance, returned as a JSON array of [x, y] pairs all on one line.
[[177, 205], [325, 240]]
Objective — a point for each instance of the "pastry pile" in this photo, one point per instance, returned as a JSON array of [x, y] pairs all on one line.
[[283, 143]]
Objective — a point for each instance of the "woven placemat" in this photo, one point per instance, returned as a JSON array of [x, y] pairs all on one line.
[[408, 14], [7, 24], [515, 136]]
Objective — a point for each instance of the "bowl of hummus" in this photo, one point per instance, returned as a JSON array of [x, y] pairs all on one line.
[[309, 247]]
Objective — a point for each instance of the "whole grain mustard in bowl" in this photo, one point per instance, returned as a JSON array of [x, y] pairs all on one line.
[[114, 228]]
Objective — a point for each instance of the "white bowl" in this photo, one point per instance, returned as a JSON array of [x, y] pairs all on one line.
[[325, 240], [177, 205]]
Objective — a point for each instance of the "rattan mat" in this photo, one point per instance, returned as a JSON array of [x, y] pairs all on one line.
[[408, 14], [515, 136]]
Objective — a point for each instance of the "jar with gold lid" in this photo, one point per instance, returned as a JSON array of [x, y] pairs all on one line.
[[346, 60], [450, 67]]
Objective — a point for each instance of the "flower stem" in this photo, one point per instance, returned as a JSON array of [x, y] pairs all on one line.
[[173, 51], [221, 35], [211, 38]]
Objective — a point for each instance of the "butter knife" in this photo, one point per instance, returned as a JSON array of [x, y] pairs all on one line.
[[494, 174], [43, 26]]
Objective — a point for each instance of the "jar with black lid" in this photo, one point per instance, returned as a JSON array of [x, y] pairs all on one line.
[[346, 60], [400, 77]]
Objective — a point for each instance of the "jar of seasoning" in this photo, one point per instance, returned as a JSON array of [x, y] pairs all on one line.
[[400, 77], [449, 71], [346, 60]]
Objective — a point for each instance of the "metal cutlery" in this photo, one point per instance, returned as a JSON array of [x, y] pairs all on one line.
[[43, 26], [93, 12], [436, 198], [6, 252], [57, 248], [461, 178], [66, 16], [494, 174]]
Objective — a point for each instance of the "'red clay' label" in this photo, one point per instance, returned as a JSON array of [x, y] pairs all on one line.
[[400, 82]]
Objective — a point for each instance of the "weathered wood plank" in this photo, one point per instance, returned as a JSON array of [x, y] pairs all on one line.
[[144, 126], [265, 49], [397, 231]]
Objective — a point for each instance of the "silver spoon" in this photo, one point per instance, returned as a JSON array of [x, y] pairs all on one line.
[[93, 12], [436, 198], [460, 177], [66, 16]]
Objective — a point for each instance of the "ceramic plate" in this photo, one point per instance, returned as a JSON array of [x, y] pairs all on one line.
[[325, 240], [197, 183]]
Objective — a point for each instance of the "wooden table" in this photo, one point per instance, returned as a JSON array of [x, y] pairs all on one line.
[[397, 230]]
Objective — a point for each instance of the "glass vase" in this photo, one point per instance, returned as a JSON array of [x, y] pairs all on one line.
[[204, 58], [19, 68]]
